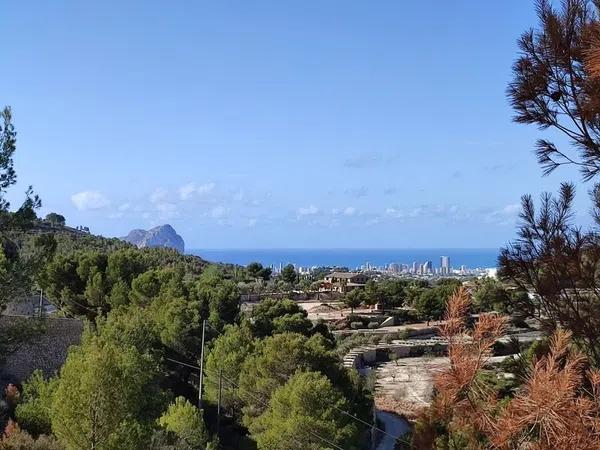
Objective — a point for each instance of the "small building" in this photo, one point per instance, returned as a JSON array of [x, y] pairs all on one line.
[[344, 281], [28, 306]]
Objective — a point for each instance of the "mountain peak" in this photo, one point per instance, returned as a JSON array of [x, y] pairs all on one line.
[[160, 236]]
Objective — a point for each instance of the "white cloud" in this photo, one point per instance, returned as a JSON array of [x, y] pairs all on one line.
[[512, 210], [186, 191], [166, 210], [89, 200], [191, 189], [159, 195], [125, 207], [452, 212], [416, 212], [393, 212], [504, 216], [218, 212], [349, 211], [308, 211], [251, 223], [166, 207]]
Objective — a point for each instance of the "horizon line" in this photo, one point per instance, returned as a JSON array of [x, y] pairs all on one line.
[[343, 248]]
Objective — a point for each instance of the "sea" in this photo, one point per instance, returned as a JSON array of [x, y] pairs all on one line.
[[471, 258]]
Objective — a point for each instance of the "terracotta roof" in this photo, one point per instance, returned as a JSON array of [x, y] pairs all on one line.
[[342, 275]]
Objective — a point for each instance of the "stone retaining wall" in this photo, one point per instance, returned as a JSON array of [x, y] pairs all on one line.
[[297, 296], [365, 355], [46, 352]]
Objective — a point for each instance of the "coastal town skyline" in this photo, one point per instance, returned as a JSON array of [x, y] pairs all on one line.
[[408, 261]]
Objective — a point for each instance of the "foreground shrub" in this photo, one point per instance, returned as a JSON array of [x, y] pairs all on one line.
[[558, 406], [33, 413], [14, 438]]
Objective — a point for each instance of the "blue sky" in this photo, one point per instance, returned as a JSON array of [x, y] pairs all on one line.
[[274, 123]]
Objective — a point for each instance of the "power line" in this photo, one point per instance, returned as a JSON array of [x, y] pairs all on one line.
[[201, 365], [355, 417], [348, 414], [191, 366], [266, 405], [352, 416], [258, 399]]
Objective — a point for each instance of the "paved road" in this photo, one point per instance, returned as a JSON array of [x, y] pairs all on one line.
[[394, 425]]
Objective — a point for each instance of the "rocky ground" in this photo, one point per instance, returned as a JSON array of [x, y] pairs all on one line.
[[406, 384]]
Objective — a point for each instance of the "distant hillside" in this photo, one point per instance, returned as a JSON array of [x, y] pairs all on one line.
[[161, 236], [70, 240]]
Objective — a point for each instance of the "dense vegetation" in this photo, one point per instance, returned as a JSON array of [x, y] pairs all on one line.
[[131, 384]]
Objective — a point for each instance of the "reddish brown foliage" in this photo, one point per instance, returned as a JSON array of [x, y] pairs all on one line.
[[552, 87], [553, 408], [14, 438], [558, 407], [11, 428], [12, 395], [459, 391], [592, 54]]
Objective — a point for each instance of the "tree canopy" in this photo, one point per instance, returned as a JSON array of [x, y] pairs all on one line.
[[552, 86], [55, 219], [15, 273], [105, 396], [185, 421], [305, 413], [555, 86], [289, 274], [276, 359], [272, 316]]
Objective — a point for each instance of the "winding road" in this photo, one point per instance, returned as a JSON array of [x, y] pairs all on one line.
[[394, 425]]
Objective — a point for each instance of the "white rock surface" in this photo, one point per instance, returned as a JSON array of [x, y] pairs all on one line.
[[161, 236]]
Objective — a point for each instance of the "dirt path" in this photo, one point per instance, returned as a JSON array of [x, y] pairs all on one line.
[[408, 381]]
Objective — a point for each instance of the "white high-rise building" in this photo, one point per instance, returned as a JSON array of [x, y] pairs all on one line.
[[445, 264], [394, 268], [427, 267]]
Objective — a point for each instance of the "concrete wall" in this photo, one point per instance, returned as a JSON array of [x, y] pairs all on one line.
[[298, 296], [25, 307], [47, 351], [367, 355]]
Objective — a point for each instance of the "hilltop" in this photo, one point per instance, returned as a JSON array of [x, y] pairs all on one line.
[[161, 236]]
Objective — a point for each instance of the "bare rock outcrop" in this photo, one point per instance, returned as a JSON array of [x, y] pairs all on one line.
[[161, 236]]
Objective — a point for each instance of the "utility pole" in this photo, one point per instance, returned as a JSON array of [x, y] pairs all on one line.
[[219, 401], [201, 367], [373, 432], [40, 312]]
